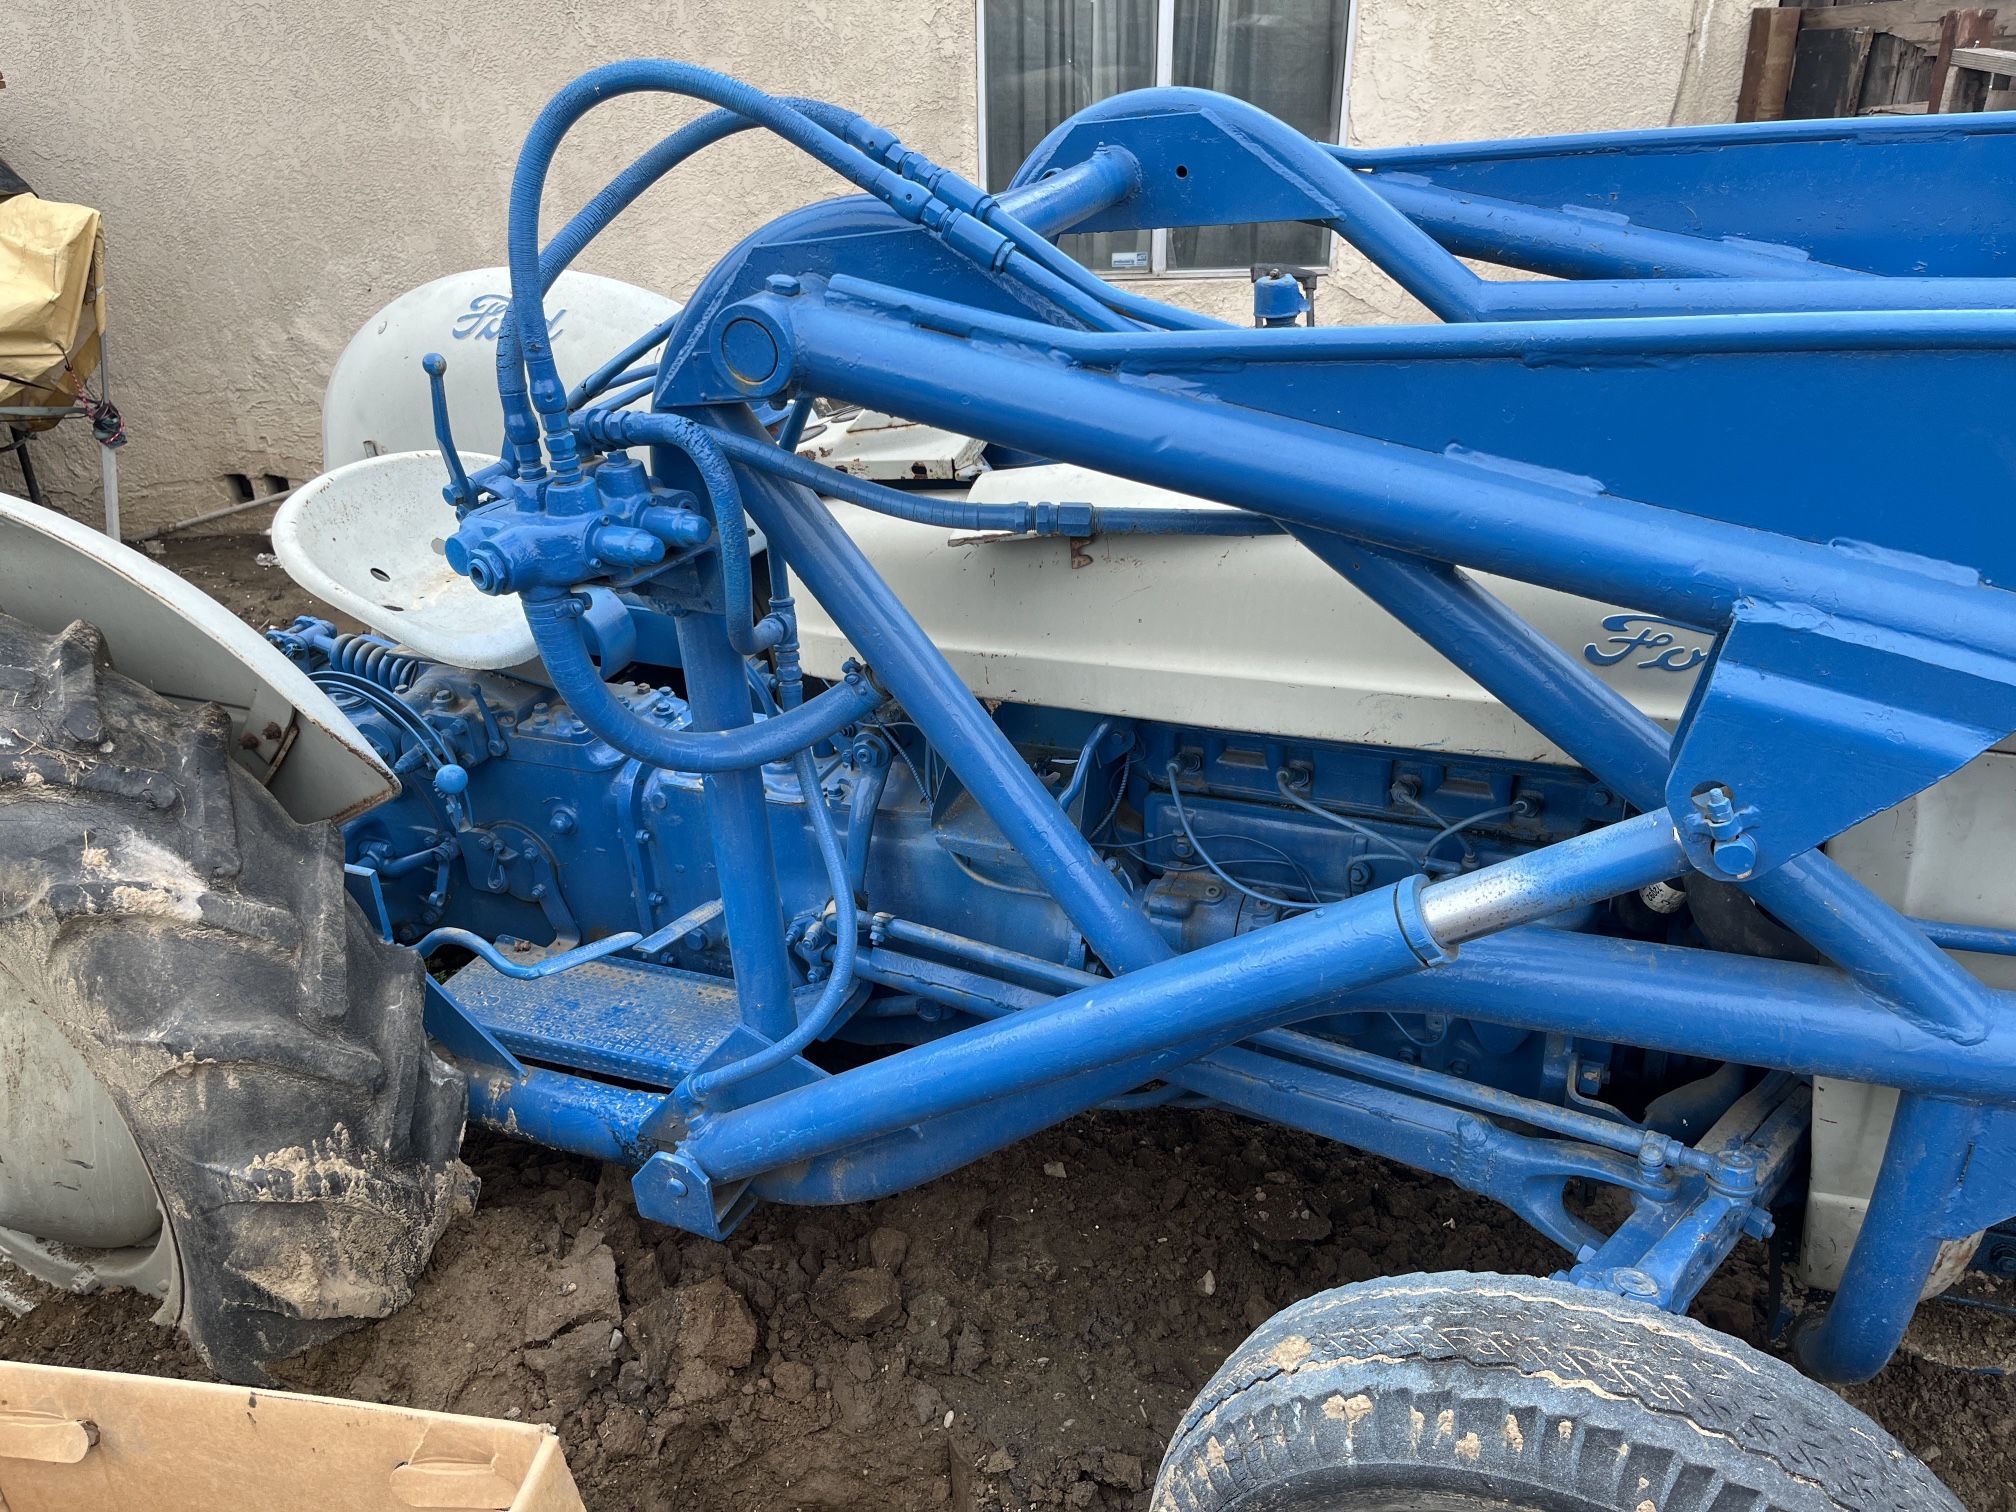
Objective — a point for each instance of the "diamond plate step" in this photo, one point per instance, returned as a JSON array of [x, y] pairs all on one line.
[[642, 1023]]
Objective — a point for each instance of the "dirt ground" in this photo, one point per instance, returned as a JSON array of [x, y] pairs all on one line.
[[1021, 1334]]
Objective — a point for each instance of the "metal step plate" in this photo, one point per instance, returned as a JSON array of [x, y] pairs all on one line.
[[645, 1024]]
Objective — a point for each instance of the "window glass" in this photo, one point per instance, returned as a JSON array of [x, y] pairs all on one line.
[[1287, 57], [1046, 61]]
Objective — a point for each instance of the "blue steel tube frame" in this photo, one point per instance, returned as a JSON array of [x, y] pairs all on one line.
[[1875, 941], [1929, 1140], [832, 568], [1103, 1031], [1214, 995], [1530, 675], [738, 823], [1536, 526]]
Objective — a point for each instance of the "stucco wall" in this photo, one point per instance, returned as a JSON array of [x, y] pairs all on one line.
[[272, 171]]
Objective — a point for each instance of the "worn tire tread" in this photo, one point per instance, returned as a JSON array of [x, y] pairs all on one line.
[[197, 947], [1494, 1385]]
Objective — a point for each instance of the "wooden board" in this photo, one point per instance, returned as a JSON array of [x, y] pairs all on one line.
[[1767, 64], [1998, 61], [1896, 74], [1913, 20], [1827, 73], [1954, 88]]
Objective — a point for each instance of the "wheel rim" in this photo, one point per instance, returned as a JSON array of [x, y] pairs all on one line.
[[78, 1207]]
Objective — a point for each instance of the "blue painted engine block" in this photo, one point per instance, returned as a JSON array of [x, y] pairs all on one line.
[[550, 836]]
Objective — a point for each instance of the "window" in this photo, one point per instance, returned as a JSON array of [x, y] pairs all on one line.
[[1043, 60]]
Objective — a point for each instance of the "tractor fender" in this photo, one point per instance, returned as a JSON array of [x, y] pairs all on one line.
[[173, 638]]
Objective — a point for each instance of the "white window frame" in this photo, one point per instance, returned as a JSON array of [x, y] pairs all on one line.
[[1165, 68]]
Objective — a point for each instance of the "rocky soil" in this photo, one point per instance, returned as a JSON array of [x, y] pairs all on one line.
[[1020, 1335]]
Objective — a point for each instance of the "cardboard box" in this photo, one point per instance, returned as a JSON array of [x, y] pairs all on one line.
[[92, 1441]]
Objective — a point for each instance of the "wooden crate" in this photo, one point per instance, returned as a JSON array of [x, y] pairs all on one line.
[[92, 1441]]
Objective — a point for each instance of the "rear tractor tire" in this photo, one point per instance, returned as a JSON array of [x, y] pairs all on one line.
[[214, 1083], [1482, 1393]]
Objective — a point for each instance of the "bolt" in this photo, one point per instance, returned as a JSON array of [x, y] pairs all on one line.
[[1737, 856], [562, 822], [1181, 847], [1359, 876], [783, 283], [1735, 1174], [642, 836], [1635, 1284], [1652, 1154], [1213, 893], [1716, 805]]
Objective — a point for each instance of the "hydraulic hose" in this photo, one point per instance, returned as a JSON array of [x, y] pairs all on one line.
[[617, 196], [520, 971], [1120, 171], [628, 428], [992, 238], [839, 986], [1019, 518], [556, 629], [528, 186], [724, 500]]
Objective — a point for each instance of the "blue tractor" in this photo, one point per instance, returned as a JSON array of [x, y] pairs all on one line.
[[918, 691]]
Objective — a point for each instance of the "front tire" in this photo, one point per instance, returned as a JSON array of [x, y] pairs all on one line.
[[1484, 1393], [194, 1013]]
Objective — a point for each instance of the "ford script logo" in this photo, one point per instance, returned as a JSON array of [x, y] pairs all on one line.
[[1649, 637], [485, 318]]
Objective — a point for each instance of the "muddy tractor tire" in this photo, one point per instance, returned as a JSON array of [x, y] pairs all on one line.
[[1462, 1393], [214, 1083]]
